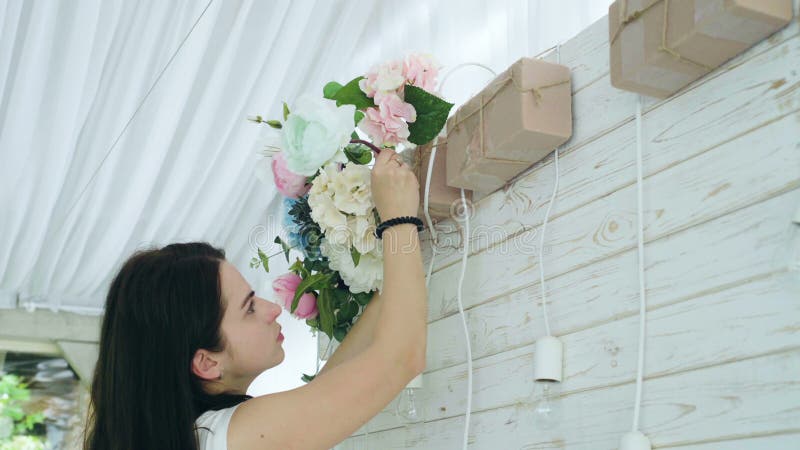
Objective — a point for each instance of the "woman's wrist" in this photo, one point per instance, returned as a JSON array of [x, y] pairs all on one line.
[[396, 221]]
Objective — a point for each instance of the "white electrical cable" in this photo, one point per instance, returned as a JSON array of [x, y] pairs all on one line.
[[462, 65], [642, 299], [464, 317], [541, 250], [431, 229], [464, 256], [544, 227]]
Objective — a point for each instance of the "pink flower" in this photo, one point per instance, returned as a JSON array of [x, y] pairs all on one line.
[[288, 183], [285, 287], [388, 123], [383, 80], [421, 70]]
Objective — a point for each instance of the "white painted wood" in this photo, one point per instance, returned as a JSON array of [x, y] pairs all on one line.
[[47, 325], [752, 396], [710, 185], [756, 318], [29, 346], [778, 441], [722, 181], [82, 357], [737, 98], [608, 290]]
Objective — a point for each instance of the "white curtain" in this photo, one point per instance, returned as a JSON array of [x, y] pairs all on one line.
[[76, 75]]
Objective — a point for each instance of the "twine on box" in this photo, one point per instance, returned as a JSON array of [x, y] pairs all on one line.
[[498, 86], [625, 19]]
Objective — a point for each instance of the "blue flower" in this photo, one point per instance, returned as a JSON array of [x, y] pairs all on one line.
[[300, 236]]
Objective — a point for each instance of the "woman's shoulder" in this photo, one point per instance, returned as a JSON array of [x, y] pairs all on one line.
[[212, 428]]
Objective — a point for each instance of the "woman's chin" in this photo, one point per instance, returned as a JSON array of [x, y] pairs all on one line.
[[283, 356]]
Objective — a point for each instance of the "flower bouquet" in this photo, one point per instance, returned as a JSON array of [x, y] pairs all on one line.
[[321, 166]]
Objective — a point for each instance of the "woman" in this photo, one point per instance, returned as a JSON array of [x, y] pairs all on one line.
[[184, 335]]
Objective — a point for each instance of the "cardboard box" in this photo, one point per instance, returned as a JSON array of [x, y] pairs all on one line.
[[659, 46], [441, 197], [519, 118]]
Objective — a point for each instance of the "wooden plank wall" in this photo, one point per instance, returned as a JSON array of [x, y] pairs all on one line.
[[722, 181]]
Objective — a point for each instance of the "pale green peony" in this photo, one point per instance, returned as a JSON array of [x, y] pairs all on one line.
[[315, 133]]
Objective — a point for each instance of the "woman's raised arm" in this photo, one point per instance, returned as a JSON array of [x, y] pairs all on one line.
[[333, 406]]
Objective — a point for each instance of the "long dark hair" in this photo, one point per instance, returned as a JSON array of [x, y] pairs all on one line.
[[163, 305]]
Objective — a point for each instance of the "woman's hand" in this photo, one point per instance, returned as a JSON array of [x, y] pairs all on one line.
[[395, 189]]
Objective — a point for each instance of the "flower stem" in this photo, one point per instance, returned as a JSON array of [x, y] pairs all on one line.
[[367, 143], [281, 252]]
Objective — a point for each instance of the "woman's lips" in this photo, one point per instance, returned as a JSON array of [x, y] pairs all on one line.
[[280, 336]]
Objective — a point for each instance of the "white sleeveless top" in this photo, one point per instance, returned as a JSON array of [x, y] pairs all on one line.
[[214, 435]]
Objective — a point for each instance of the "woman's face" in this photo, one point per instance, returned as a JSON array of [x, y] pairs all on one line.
[[250, 328]]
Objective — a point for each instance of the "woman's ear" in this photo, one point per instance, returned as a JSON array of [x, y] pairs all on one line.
[[205, 365]]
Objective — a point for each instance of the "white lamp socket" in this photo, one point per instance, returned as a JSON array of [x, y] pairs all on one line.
[[548, 357], [634, 440]]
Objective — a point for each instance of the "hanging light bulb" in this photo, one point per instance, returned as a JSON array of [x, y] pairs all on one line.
[[547, 411], [409, 407], [547, 366], [634, 440]]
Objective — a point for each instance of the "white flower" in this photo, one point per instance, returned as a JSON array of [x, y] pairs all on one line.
[[332, 221], [351, 189], [324, 212], [383, 80], [316, 132], [390, 76], [365, 277], [321, 183], [341, 203], [362, 229]]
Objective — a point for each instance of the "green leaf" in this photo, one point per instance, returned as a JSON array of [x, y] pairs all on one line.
[[313, 323], [355, 255], [357, 118], [307, 378], [348, 312], [354, 135], [351, 94], [284, 246], [330, 90], [297, 267], [359, 154], [285, 111], [316, 265], [325, 308], [275, 124], [264, 260], [313, 282], [15, 412], [339, 333], [432, 114], [340, 297], [363, 298]]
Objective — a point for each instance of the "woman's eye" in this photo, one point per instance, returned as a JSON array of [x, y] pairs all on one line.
[[251, 308]]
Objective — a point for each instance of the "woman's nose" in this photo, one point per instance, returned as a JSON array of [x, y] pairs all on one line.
[[276, 311]]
